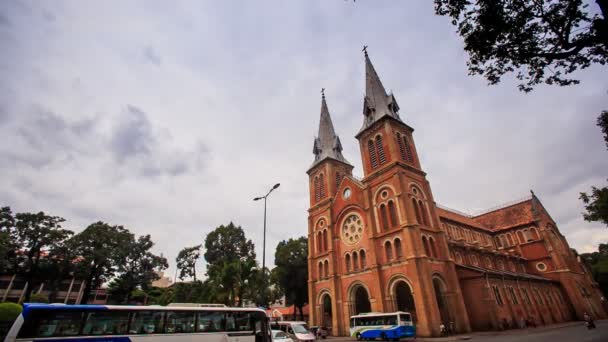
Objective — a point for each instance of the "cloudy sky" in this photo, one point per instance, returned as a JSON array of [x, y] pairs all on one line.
[[168, 117]]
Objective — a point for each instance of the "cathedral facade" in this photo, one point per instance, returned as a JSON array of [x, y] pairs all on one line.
[[382, 244]]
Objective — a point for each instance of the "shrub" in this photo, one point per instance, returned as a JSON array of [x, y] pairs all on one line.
[[39, 298], [9, 311]]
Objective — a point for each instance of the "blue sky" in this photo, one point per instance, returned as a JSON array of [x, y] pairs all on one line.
[[169, 117]]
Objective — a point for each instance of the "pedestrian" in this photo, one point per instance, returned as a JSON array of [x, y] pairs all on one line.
[[442, 329], [588, 321]]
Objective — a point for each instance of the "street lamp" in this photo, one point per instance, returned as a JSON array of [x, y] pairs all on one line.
[[264, 243]]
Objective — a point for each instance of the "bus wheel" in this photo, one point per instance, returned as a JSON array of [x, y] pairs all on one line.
[[383, 336], [358, 337]]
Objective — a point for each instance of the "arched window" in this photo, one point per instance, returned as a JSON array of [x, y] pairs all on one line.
[[371, 148], [362, 259], [355, 261], [380, 148], [458, 258], [383, 217], [319, 242], [347, 261], [534, 233], [504, 241], [520, 236], [423, 213], [320, 270], [408, 150], [401, 147], [316, 186], [433, 248], [416, 211], [498, 242], [501, 265], [474, 260], [398, 250], [338, 179], [393, 213], [325, 242], [510, 238], [388, 251], [488, 262], [326, 269], [425, 244], [322, 186]]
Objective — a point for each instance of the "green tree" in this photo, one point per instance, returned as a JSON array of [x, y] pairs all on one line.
[[226, 244], [231, 258], [36, 234], [138, 269], [7, 245], [186, 261], [291, 261], [101, 250], [542, 41], [598, 263], [596, 204]]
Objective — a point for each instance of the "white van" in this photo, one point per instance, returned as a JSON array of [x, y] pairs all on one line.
[[297, 330]]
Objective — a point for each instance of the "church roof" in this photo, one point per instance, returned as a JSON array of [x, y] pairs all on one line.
[[327, 144], [376, 103]]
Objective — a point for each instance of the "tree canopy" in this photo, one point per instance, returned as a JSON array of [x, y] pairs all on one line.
[[186, 261], [598, 262], [291, 261], [100, 249], [542, 41]]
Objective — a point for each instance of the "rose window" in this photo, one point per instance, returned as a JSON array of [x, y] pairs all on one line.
[[352, 229]]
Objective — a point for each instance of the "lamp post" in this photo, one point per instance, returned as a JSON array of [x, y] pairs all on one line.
[[264, 241]]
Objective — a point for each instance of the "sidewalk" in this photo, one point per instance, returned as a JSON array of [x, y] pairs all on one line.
[[510, 332]]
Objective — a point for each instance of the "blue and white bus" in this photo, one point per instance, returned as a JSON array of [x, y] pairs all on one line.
[[70, 323], [373, 325]]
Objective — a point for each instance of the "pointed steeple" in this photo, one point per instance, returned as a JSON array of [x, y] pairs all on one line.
[[327, 143], [377, 103]]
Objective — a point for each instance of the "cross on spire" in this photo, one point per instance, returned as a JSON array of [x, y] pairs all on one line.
[[323, 92], [364, 49]]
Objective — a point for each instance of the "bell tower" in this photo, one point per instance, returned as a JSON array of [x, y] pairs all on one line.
[[329, 166], [384, 139]]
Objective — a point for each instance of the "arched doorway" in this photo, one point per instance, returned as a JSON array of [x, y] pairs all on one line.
[[326, 313], [360, 300], [442, 302], [404, 300]]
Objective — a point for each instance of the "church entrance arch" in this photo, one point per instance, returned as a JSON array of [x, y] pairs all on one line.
[[326, 312], [404, 299], [442, 300], [359, 298]]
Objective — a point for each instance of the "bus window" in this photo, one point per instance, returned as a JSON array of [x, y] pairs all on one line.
[[47, 323], [405, 319], [146, 322], [390, 320], [238, 321], [211, 321], [180, 322], [106, 323]]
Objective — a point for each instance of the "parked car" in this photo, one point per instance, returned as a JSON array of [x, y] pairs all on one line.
[[281, 336]]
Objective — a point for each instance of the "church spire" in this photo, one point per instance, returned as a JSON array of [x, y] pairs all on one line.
[[376, 103], [327, 143]]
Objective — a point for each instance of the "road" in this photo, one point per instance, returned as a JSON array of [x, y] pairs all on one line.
[[574, 333]]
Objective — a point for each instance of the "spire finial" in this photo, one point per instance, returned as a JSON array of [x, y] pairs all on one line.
[[365, 50], [323, 93]]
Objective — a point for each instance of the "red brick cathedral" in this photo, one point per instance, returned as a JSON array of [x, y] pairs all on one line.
[[382, 244]]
